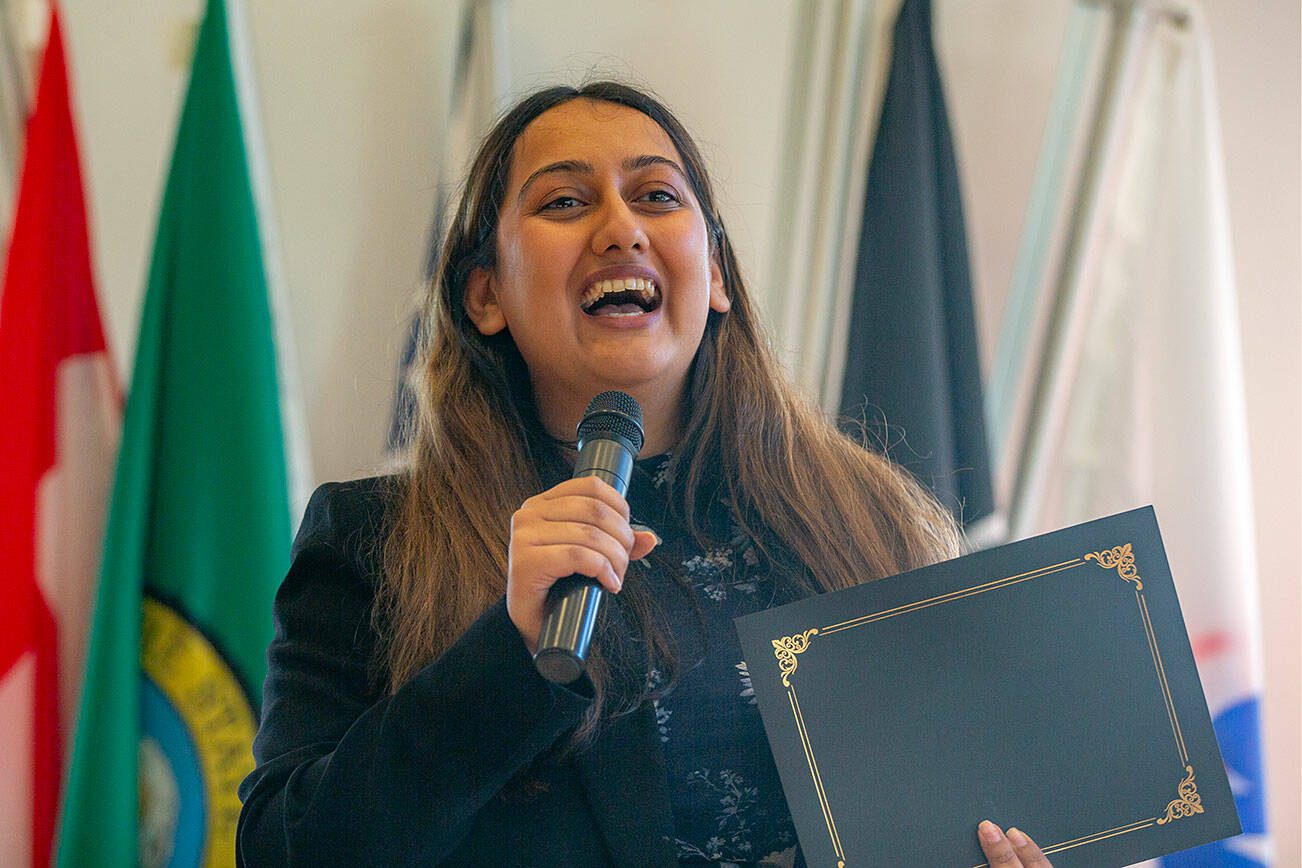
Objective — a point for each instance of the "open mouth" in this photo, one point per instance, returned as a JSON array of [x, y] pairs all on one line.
[[627, 296]]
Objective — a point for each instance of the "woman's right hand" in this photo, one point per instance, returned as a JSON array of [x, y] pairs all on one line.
[[580, 526]]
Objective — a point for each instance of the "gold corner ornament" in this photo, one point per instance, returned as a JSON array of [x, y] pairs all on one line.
[[1121, 559], [786, 649], [1188, 804]]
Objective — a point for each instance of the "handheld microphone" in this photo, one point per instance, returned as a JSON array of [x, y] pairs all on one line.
[[610, 437]]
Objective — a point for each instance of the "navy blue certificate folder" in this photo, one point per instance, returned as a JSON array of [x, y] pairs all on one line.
[[1047, 684]]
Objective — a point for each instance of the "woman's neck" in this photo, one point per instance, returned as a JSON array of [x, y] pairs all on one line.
[[661, 417]]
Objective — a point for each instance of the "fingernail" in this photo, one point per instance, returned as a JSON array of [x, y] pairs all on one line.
[[990, 832], [644, 529], [1015, 835]]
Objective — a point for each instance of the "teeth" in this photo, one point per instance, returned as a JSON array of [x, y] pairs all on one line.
[[647, 288]]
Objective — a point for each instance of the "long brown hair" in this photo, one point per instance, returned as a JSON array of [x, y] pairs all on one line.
[[479, 450]]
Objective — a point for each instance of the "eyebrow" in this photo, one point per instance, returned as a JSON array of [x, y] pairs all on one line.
[[630, 164]]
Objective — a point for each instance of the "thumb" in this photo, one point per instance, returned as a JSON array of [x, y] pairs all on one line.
[[643, 542]]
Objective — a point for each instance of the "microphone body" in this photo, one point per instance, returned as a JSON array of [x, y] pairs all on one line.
[[610, 437]]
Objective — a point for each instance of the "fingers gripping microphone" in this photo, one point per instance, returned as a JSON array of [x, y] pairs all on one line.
[[610, 437]]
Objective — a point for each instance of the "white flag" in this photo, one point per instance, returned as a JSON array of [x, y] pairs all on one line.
[[1149, 401]]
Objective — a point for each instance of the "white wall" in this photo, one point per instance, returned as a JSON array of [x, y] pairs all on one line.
[[353, 96]]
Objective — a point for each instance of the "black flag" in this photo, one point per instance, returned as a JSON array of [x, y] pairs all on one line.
[[912, 369]]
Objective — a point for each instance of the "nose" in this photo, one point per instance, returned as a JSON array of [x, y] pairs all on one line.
[[619, 227]]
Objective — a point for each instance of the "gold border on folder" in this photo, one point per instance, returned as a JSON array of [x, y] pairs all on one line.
[[1120, 559]]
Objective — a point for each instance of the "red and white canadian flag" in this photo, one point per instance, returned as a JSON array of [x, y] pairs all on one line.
[[61, 412]]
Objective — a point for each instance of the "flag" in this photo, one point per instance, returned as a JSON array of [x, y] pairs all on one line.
[[1148, 403], [62, 415], [199, 525], [480, 81], [911, 366]]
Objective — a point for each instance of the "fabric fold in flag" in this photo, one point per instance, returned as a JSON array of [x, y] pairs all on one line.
[[912, 371], [199, 526], [63, 413]]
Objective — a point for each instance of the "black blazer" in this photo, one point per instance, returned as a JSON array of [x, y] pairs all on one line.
[[458, 766]]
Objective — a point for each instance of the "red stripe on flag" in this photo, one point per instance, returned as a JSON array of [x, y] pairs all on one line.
[[48, 313], [1208, 645]]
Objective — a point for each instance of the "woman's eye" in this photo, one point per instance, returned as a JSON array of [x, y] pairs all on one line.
[[661, 197], [561, 203]]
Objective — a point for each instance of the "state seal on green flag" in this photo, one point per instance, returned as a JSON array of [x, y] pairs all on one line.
[[197, 725]]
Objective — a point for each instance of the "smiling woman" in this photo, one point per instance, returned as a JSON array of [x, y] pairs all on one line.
[[596, 197], [403, 720]]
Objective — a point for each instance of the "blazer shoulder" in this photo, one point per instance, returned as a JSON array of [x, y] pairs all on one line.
[[349, 519]]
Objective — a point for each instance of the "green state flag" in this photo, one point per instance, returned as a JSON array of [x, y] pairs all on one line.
[[199, 527]]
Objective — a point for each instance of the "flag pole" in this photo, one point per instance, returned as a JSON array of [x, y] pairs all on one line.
[[1063, 330]]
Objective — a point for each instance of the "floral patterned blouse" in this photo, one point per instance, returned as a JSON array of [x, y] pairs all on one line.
[[728, 806]]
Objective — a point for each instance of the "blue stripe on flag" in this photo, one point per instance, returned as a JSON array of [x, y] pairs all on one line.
[[1238, 732]]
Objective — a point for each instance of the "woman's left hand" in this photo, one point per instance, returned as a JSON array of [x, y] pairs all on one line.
[[1014, 850]]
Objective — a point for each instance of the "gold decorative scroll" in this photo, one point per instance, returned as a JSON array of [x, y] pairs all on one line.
[[786, 649], [1188, 804], [1121, 559]]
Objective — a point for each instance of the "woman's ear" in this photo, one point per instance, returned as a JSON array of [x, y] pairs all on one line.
[[719, 300], [481, 302]]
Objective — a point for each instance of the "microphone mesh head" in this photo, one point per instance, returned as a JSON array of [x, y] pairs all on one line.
[[616, 413]]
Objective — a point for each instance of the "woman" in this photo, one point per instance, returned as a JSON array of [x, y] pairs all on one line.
[[403, 721]]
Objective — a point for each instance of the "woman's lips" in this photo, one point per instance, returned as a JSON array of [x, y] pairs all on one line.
[[620, 296]]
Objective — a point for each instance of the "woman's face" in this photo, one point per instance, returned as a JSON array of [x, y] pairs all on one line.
[[604, 275]]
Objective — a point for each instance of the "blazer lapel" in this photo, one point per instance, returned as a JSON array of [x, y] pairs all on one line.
[[623, 773]]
